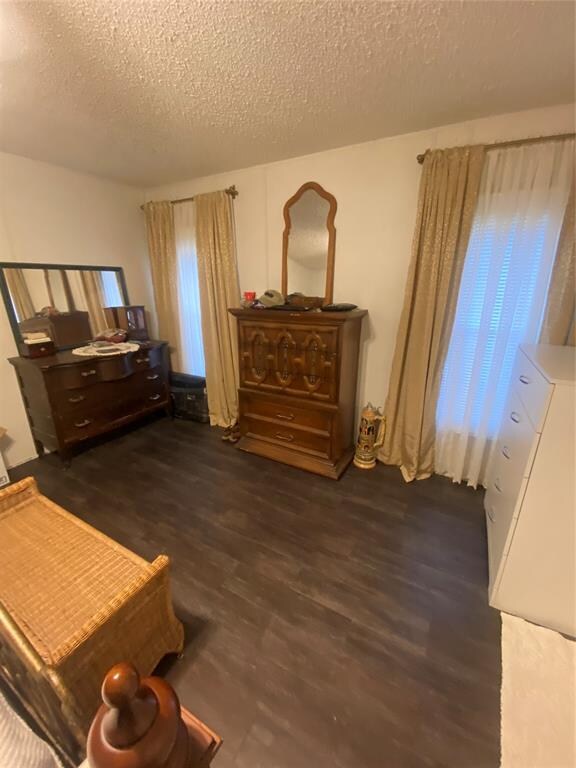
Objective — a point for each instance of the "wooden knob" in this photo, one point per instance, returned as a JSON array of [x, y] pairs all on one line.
[[141, 725], [132, 707], [120, 686]]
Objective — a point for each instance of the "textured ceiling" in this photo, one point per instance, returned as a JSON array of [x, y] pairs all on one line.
[[149, 92]]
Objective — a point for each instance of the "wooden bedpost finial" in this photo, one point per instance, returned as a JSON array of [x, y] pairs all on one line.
[[132, 707], [140, 725]]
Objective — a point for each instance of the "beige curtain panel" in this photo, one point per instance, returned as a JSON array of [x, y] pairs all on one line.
[[559, 326], [219, 290], [447, 199], [19, 293], [162, 251], [94, 296]]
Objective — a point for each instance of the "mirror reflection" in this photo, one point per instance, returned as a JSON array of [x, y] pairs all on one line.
[[308, 244], [74, 296]]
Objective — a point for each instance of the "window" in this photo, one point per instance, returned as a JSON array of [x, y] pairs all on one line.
[[190, 320], [501, 299]]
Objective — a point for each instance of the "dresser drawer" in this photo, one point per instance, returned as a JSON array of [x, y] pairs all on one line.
[[501, 517], [298, 385], [74, 376], [535, 391], [80, 400], [288, 436], [511, 466], [147, 358], [81, 426], [517, 444], [285, 414], [150, 375]]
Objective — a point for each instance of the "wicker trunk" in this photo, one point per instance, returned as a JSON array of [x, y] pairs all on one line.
[[72, 604]]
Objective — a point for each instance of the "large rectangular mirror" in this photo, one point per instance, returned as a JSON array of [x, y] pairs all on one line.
[[65, 302]]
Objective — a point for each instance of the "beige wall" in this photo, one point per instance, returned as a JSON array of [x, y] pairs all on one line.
[[49, 214], [376, 186]]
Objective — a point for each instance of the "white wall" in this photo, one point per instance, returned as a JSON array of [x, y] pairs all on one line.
[[376, 186], [53, 215]]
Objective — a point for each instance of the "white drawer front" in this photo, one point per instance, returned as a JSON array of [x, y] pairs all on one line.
[[501, 516], [534, 390], [516, 446]]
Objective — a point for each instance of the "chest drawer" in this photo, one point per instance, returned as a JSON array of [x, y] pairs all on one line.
[[516, 446], [283, 413], [535, 391], [288, 436]]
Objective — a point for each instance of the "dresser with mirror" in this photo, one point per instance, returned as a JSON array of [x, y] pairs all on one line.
[[298, 364], [55, 310]]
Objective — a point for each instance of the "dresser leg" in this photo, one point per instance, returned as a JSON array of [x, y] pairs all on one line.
[[39, 448]]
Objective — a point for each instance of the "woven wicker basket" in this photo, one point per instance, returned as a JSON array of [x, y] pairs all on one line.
[[72, 604]]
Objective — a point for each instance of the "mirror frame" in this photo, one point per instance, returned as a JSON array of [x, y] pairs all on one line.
[[329, 290], [35, 265]]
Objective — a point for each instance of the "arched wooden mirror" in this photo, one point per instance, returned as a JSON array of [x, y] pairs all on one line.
[[309, 243]]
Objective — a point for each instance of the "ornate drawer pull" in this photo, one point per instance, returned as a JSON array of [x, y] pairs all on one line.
[[491, 514], [524, 379], [81, 424], [505, 452], [142, 359], [77, 399], [285, 416], [515, 417], [92, 372], [154, 397], [497, 486], [287, 438], [153, 377]]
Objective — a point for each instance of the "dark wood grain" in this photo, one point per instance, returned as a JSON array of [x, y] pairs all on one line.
[[70, 400], [329, 625], [297, 395]]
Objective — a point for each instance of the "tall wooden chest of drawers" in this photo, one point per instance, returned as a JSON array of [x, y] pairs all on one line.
[[70, 399], [297, 396], [530, 499]]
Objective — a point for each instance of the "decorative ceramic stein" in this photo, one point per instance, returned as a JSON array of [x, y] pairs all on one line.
[[370, 437]]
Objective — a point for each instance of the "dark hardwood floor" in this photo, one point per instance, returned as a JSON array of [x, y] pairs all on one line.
[[329, 624]]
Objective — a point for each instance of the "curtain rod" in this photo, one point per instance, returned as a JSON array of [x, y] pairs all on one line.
[[514, 143], [232, 191]]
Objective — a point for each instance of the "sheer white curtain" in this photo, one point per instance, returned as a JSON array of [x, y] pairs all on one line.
[[188, 293], [521, 205]]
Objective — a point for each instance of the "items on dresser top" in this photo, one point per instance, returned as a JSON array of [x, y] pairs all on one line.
[[131, 319], [37, 345], [65, 329], [297, 393], [106, 349], [69, 399], [530, 499]]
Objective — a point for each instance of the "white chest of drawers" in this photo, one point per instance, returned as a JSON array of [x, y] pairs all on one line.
[[530, 500]]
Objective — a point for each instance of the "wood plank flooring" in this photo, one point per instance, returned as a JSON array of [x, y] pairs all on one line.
[[329, 624]]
